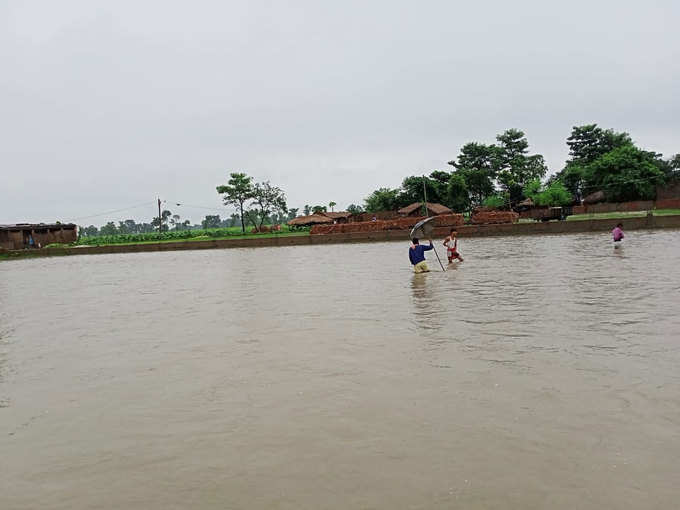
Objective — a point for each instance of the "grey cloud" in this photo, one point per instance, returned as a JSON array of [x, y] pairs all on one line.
[[110, 104]]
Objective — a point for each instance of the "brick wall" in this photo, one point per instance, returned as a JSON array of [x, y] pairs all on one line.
[[402, 223]]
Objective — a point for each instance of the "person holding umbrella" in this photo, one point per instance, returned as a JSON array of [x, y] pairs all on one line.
[[416, 254]]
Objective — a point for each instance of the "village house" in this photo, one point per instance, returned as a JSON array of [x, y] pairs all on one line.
[[36, 235], [416, 209], [338, 217]]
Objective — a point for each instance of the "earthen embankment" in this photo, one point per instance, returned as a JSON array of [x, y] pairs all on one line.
[[508, 229]]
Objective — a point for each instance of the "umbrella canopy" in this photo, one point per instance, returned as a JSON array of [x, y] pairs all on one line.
[[423, 229]]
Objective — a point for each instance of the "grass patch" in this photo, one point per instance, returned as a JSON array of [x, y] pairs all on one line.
[[622, 215], [203, 238], [181, 236]]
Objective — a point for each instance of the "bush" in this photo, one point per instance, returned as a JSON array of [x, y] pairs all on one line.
[[495, 202]]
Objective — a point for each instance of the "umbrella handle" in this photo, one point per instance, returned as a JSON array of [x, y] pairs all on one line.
[[440, 261]]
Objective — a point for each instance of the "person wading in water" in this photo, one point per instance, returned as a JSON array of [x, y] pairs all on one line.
[[416, 254]]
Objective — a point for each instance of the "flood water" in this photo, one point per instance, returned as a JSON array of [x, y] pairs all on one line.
[[543, 372]]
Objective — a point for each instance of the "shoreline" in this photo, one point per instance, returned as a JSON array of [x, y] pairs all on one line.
[[505, 229]]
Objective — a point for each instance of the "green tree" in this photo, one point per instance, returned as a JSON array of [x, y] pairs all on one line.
[[307, 210], [90, 231], [165, 215], [458, 196], [475, 164], [412, 191], [383, 199], [127, 227], [625, 173], [266, 199], [497, 201], [586, 144], [589, 142], [514, 166], [109, 229], [177, 222], [211, 221], [318, 209], [670, 167], [573, 178], [237, 192], [292, 213], [332, 204], [354, 209], [553, 194]]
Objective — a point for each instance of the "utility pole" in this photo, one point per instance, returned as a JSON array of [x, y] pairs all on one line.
[[160, 218], [425, 212]]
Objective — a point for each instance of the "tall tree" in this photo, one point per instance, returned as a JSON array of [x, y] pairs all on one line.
[[412, 190], [109, 229], [307, 209], [382, 199], [267, 199], [514, 167], [625, 173], [165, 215], [332, 204], [475, 164], [588, 142], [211, 221], [292, 213], [458, 196], [237, 192], [355, 209], [89, 231]]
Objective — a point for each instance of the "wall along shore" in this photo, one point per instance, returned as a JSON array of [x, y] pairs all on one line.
[[503, 229]]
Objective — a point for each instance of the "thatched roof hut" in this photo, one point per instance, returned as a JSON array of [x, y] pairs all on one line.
[[415, 209], [338, 217], [312, 219]]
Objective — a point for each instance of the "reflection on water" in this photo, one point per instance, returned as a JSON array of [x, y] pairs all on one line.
[[540, 373]]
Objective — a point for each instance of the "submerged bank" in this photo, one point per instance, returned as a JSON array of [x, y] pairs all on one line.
[[507, 229]]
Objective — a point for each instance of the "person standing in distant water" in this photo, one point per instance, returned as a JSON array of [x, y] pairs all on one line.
[[617, 235], [451, 244], [416, 254]]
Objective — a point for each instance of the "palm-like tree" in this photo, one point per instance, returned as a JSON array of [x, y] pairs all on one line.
[[332, 204]]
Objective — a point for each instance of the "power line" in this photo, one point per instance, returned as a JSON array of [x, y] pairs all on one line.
[[182, 204], [145, 204]]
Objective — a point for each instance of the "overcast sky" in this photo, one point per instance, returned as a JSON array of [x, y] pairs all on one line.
[[107, 105]]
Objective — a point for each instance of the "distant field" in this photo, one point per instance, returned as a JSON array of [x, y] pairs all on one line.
[[182, 236], [622, 215]]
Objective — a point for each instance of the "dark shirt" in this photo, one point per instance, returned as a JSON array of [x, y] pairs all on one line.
[[417, 253]]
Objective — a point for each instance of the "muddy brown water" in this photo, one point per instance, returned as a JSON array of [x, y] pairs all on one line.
[[543, 372]]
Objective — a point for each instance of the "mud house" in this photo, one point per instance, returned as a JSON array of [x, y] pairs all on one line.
[[36, 235]]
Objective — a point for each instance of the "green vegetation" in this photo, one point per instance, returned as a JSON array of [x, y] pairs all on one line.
[[504, 173], [607, 161], [621, 215], [551, 194], [264, 198], [182, 235]]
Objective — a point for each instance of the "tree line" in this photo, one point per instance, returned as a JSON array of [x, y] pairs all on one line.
[[499, 175], [504, 173]]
